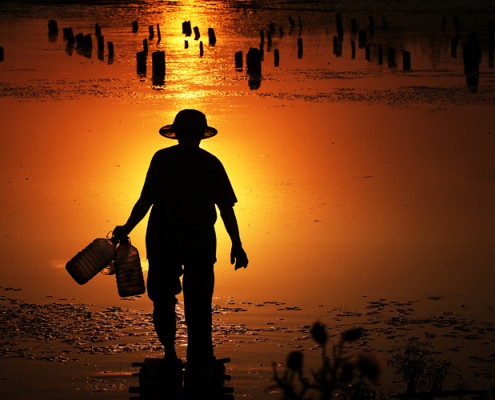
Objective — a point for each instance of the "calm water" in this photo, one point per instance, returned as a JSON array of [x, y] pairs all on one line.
[[356, 181]]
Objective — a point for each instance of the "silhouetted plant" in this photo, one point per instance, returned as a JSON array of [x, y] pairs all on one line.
[[341, 376], [418, 368]]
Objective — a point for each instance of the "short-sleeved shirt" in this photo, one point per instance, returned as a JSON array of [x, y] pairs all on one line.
[[184, 184]]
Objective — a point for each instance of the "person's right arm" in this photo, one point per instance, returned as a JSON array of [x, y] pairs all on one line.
[[143, 204], [138, 212]]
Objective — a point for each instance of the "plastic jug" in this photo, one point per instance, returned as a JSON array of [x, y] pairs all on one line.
[[128, 272], [91, 260]]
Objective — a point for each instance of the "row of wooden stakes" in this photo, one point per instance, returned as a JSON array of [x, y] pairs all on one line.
[[254, 56], [253, 60], [82, 42]]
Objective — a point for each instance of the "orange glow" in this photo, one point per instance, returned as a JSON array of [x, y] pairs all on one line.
[[365, 191], [340, 166]]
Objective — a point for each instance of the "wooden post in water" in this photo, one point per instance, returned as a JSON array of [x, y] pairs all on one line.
[[269, 40], [145, 45], [135, 26], [406, 60], [340, 28], [52, 27], [110, 50], [371, 25], [101, 44], [186, 28], [186, 44], [212, 39], [354, 26], [276, 57], [97, 30], [88, 41], [196, 33], [158, 33], [337, 46], [201, 50], [1, 54], [491, 43], [79, 40], [291, 22], [471, 54], [362, 39], [253, 61], [151, 32], [453, 47], [84, 44], [299, 48], [457, 26], [69, 36], [353, 49], [158, 66], [391, 57], [238, 60], [141, 63], [380, 55], [367, 52]]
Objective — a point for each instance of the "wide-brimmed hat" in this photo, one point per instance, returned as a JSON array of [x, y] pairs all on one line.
[[188, 121]]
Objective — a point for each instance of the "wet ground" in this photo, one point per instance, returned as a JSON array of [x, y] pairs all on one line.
[[101, 343]]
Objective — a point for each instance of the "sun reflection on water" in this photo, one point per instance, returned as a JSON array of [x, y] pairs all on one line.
[[311, 162]]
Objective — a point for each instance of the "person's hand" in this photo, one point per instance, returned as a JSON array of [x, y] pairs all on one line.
[[120, 233], [239, 257]]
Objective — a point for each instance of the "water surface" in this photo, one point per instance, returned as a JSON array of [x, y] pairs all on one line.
[[356, 181]]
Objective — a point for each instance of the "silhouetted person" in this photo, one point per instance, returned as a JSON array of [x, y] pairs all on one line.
[[472, 58], [182, 187]]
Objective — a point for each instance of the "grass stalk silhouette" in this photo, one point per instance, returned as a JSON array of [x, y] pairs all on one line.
[[342, 376]]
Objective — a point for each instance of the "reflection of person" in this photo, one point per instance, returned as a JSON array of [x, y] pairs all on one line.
[[182, 186], [472, 58]]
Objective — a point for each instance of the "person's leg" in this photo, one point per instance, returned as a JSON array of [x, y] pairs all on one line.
[[198, 284], [163, 284], [164, 319]]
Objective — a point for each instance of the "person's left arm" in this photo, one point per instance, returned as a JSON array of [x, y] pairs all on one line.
[[237, 253]]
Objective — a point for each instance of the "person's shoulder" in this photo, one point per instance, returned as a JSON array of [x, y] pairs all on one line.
[[166, 151], [163, 155]]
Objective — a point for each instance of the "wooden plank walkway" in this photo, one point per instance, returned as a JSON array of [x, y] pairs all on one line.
[[181, 383]]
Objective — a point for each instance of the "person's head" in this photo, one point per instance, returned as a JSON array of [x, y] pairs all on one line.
[[189, 128]]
